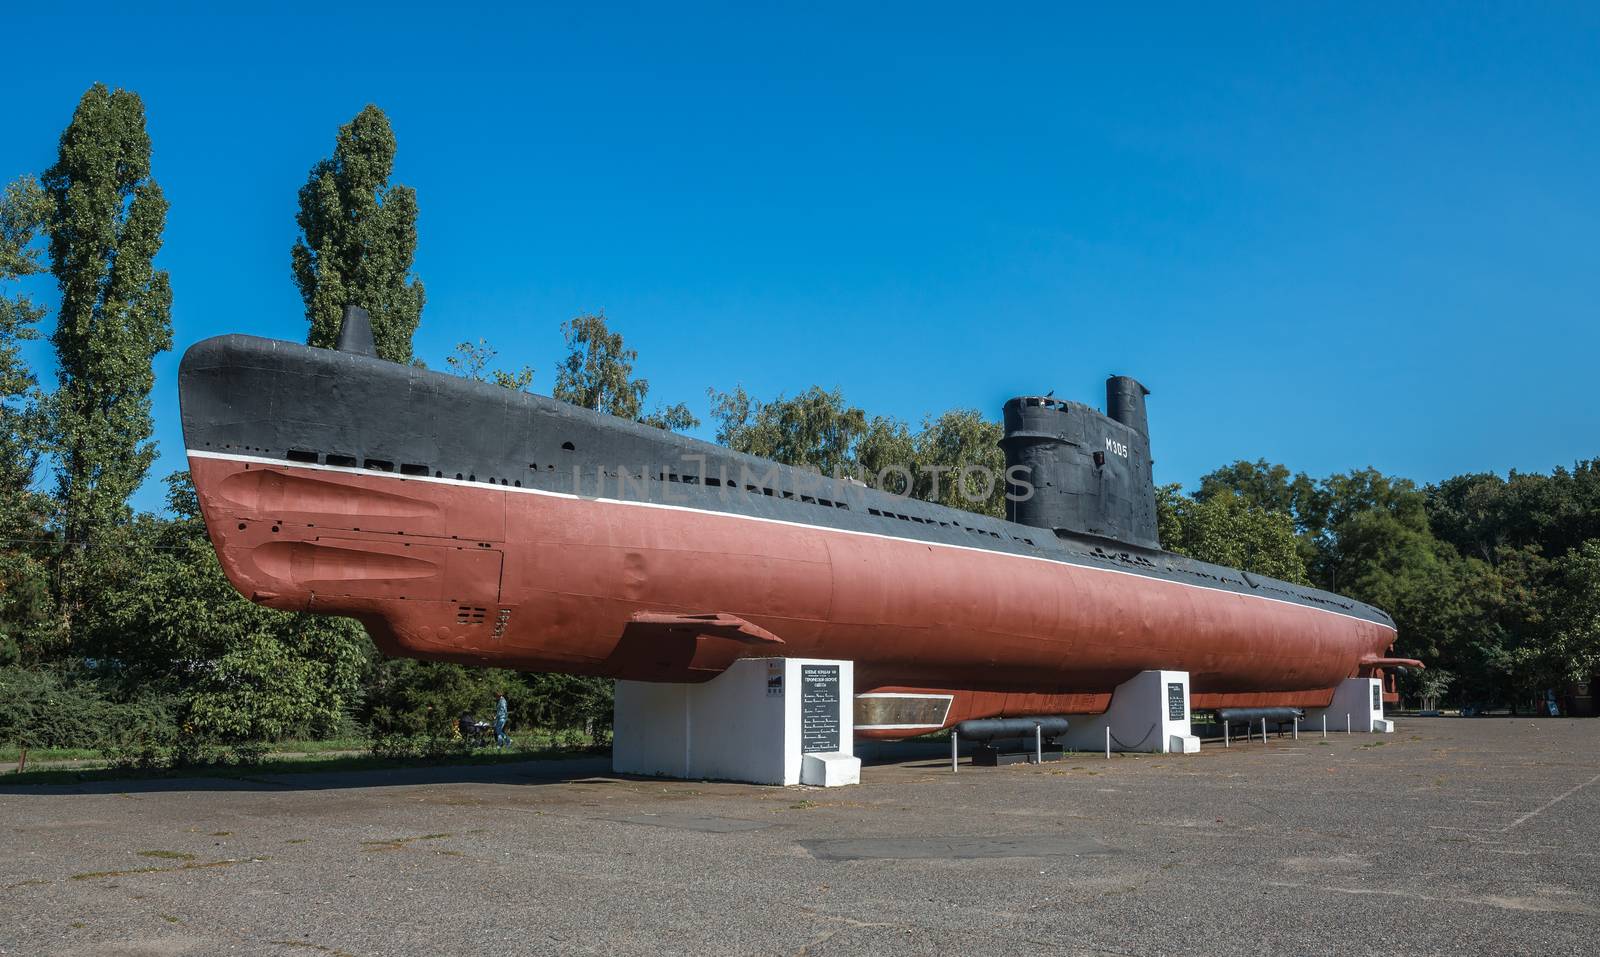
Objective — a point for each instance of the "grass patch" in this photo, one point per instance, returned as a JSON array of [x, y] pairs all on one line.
[[306, 945], [96, 875], [318, 747], [186, 866], [168, 855], [399, 843], [11, 754]]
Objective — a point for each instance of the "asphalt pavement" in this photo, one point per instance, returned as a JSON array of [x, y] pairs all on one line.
[[1451, 836]]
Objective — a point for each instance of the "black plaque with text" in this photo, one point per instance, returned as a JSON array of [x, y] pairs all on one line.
[[1175, 703], [819, 708]]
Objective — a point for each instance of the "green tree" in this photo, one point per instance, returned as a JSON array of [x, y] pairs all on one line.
[[54, 707], [563, 702], [1273, 487], [412, 697], [1260, 483], [816, 428], [884, 454], [106, 218], [358, 236], [1227, 529], [1480, 513], [955, 459], [471, 360], [24, 582], [1376, 525], [24, 210], [1576, 613], [243, 672], [960, 462], [597, 373], [1470, 512]]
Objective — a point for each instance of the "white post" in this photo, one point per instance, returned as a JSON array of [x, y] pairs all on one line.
[[1038, 744], [1108, 742], [1324, 727], [1347, 722], [1263, 730], [1297, 727], [954, 768], [1225, 735]]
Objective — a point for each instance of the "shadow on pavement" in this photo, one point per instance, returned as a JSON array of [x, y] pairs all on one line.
[[306, 777], [535, 771]]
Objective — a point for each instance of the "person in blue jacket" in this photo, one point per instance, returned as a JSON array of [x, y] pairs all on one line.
[[500, 717]]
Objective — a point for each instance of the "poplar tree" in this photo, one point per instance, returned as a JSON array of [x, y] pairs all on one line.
[[358, 236], [24, 591], [105, 222], [23, 209]]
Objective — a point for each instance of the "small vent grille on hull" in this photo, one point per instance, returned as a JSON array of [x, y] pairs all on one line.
[[470, 615]]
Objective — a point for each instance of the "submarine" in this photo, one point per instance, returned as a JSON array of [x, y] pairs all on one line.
[[461, 521]]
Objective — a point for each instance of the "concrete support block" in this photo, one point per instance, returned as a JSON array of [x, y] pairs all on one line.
[[830, 770], [1358, 699], [1149, 712], [755, 722]]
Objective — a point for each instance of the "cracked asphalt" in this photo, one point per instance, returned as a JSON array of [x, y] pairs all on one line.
[[1451, 836]]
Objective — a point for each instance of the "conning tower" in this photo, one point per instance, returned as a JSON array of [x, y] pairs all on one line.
[[1090, 472]]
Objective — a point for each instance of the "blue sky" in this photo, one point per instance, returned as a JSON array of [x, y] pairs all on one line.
[[1329, 235]]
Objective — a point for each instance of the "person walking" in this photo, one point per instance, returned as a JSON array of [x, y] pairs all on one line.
[[501, 738]]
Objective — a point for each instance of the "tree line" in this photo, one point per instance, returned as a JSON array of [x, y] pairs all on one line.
[[118, 629]]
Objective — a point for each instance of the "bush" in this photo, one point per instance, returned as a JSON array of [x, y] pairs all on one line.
[[185, 752], [61, 709], [396, 747], [249, 752], [412, 698]]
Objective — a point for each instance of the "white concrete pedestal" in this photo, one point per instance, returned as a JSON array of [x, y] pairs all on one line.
[[1359, 698], [830, 770], [1149, 712], [764, 721]]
